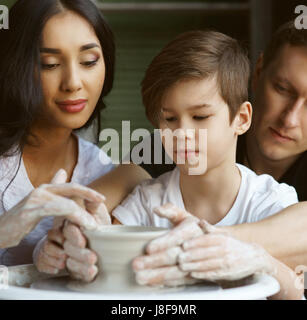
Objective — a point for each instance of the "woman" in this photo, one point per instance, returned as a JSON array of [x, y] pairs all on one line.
[[55, 70]]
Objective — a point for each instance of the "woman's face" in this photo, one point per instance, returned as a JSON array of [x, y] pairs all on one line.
[[72, 70]]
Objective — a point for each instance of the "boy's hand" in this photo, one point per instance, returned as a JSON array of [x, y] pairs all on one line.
[[159, 266], [81, 261]]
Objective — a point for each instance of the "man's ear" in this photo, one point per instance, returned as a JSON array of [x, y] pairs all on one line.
[[257, 71], [243, 118]]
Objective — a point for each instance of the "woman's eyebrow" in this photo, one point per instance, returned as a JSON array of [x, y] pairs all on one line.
[[58, 51]]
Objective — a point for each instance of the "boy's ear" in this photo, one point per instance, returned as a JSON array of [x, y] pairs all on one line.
[[243, 118], [257, 71]]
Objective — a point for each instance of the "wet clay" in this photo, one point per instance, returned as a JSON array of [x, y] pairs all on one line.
[[116, 247]]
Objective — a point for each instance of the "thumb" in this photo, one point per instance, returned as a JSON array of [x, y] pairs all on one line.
[[209, 228], [59, 177], [174, 214], [100, 212]]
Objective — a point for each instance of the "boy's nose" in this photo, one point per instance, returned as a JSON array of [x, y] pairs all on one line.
[[185, 133], [291, 116], [71, 80]]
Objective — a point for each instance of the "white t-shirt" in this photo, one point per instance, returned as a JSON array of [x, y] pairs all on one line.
[[259, 196], [92, 163]]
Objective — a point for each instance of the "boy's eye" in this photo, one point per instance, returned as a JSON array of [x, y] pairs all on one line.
[[170, 119], [200, 117]]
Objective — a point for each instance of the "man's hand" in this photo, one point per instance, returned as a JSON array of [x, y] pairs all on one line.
[[218, 256]]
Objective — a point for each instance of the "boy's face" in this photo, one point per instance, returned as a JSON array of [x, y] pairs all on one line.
[[197, 104], [280, 113]]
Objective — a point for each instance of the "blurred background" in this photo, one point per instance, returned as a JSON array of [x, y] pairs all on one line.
[[143, 27]]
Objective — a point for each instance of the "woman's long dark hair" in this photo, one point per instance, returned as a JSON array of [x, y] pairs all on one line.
[[20, 86]]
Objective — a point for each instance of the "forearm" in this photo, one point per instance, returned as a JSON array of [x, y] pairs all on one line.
[[117, 184], [14, 226], [290, 286], [283, 235]]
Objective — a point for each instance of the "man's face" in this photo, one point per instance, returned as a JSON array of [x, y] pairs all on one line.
[[280, 107]]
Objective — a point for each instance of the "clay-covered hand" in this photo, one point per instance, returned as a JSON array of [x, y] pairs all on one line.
[[81, 261], [159, 266], [49, 255], [47, 200], [216, 256]]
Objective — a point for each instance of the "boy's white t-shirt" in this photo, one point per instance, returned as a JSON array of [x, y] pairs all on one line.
[[259, 196]]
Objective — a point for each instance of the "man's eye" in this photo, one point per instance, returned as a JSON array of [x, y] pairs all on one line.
[[49, 66], [280, 88]]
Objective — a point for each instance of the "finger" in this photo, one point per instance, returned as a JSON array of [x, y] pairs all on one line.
[[56, 263], [59, 177], [84, 255], [43, 267], [187, 229], [99, 211], [172, 213], [208, 276], [74, 235], [205, 241], [74, 190], [182, 281], [209, 228], [160, 259], [60, 206], [56, 236], [159, 276], [84, 272], [202, 266], [53, 250], [58, 222], [200, 254]]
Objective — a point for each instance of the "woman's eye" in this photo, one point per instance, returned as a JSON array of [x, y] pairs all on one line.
[[49, 66], [200, 117], [89, 63]]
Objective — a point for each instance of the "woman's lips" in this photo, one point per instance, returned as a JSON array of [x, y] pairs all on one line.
[[280, 137], [72, 106]]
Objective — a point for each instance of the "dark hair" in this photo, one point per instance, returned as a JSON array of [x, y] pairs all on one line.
[[285, 34], [20, 85], [197, 55]]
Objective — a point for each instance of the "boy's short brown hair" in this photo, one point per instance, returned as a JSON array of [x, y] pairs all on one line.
[[285, 34], [197, 55]]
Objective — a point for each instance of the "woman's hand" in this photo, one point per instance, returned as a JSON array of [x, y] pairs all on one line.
[[49, 255], [48, 200]]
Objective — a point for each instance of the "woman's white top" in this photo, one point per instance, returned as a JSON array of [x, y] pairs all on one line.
[[259, 196], [92, 163]]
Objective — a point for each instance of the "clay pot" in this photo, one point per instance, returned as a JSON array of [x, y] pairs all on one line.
[[116, 246]]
